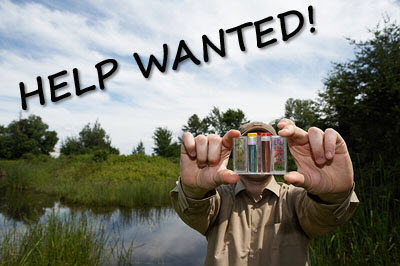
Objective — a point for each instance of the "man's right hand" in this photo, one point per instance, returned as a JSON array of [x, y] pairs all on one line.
[[203, 163]]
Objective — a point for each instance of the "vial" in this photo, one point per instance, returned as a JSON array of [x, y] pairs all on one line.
[[278, 155], [265, 152], [240, 154], [252, 151]]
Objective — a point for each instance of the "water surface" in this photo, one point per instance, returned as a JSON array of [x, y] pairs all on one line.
[[158, 234]]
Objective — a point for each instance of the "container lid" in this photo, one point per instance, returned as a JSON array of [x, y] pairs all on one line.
[[252, 135]]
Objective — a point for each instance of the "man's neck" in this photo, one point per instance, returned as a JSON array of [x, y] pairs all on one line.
[[255, 185]]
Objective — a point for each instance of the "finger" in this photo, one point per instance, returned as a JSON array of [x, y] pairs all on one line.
[[227, 140], [295, 135], [330, 143], [201, 150], [226, 176], [285, 122], [341, 146], [214, 149], [297, 179], [188, 145], [316, 139]]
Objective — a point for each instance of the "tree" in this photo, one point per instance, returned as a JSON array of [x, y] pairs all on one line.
[[139, 149], [222, 122], [71, 145], [91, 139], [163, 143], [29, 135], [361, 97], [196, 126], [303, 112]]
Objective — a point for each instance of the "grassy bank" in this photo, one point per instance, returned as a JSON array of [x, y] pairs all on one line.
[[60, 241], [371, 237], [125, 181]]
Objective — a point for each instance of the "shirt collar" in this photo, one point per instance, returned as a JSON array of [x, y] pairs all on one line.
[[272, 186]]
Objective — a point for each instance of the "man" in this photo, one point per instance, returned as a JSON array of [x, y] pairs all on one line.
[[253, 220]]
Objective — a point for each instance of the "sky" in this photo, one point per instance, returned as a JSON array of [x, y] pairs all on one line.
[[42, 38]]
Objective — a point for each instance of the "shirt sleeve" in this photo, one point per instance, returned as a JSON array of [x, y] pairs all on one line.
[[317, 218], [198, 214]]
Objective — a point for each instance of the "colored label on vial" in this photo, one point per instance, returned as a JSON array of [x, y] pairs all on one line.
[[240, 156], [279, 154]]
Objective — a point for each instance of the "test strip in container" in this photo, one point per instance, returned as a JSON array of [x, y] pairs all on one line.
[[259, 155], [240, 154], [278, 155], [252, 151], [265, 152]]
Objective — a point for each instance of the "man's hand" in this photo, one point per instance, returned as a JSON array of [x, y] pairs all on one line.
[[203, 163], [324, 166]]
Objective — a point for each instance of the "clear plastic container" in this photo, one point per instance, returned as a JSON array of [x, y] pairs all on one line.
[[260, 154]]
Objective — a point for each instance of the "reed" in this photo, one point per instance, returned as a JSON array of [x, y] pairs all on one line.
[[371, 237], [70, 241]]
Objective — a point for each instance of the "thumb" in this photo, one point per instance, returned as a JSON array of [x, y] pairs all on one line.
[[226, 176], [297, 179]]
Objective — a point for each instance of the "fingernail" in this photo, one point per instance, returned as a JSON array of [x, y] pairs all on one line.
[[320, 161], [329, 155]]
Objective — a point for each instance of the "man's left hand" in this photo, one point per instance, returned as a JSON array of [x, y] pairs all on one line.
[[324, 167]]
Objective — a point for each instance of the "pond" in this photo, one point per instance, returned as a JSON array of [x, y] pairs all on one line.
[[158, 234]]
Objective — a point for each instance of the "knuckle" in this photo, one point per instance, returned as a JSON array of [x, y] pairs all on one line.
[[287, 120], [330, 130], [213, 138], [201, 164], [212, 161], [314, 130], [201, 139], [186, 135]]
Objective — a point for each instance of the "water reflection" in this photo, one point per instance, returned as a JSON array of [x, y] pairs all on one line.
[[159, 236]]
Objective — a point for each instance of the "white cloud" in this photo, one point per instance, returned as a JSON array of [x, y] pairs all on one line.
[[38, 40]]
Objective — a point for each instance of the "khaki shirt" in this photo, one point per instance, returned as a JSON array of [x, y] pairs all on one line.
[[275, 230]]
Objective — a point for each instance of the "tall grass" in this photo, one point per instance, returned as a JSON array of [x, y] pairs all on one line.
[[125, 181], [371, 237], [70, 241]]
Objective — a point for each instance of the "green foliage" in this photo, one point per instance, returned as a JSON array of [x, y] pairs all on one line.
[[216, 122], [222, 122], [164, 146], [196, 126], [126, 181], [139, 149], [100, 156], [29, 135], [361, 97], [302, 112], [90, 140]]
